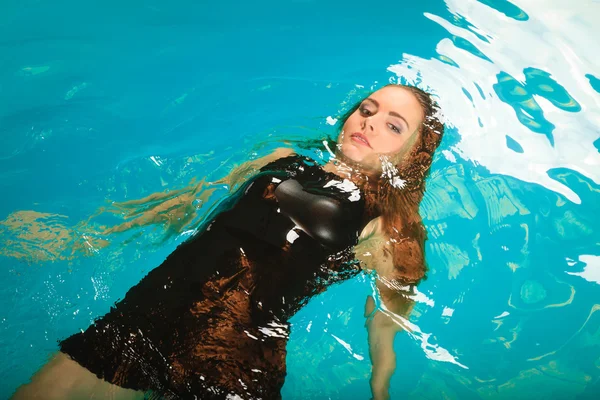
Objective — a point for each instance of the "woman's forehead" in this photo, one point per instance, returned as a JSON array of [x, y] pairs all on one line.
[[395, 96], [400, 100]]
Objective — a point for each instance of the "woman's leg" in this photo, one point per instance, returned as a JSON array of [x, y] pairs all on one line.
[[63, 378]]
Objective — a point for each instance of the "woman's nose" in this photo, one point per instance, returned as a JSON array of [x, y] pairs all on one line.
[[367, 124]]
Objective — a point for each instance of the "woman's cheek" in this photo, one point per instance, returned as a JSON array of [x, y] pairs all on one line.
[[392, 146]]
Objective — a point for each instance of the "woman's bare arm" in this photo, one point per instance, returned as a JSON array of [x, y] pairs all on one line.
[[382, 329], [175, 208], [374, 253]]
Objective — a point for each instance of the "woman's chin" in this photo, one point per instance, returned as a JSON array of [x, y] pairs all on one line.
[[353, 153]]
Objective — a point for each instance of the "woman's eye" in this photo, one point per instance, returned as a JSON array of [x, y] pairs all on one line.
[[394, 128], [365, 111]]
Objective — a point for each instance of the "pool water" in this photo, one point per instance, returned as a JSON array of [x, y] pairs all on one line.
[[106, 103]]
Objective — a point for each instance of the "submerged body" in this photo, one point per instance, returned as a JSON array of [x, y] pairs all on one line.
[[211, 321]]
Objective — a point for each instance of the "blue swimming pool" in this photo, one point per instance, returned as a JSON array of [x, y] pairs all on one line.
[[107, 103]]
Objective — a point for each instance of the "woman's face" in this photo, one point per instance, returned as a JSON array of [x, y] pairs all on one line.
[[383, 124]]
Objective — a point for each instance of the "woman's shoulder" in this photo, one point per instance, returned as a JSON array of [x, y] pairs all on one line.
[[285, 159]]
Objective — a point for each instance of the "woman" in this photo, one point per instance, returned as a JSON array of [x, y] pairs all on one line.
[[211, 321]]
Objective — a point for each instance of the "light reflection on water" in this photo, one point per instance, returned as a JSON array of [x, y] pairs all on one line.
[[508, 309], [533, 69]]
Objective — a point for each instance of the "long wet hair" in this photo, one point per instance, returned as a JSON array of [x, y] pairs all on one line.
[[398, 204]]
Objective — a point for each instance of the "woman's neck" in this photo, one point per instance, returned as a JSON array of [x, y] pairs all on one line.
[[339, 168], [347, 168]]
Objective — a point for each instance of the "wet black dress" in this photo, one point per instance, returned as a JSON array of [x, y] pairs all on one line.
[[211, 321]]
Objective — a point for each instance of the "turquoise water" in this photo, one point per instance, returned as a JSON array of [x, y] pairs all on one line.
[[112, 101]]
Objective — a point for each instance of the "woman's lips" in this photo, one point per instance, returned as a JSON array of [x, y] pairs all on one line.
[[360, 138]]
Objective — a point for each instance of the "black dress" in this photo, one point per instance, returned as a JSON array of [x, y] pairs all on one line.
[[211, 321]]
